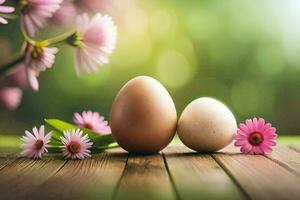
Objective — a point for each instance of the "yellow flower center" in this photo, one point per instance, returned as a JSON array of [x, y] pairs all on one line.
[[37, 52], [24, 6], [23, 3], [75, 39], [74, 147], [256, 138], [38, 144], [38, 49]]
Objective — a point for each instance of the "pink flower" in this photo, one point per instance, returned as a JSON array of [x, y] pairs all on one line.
[[5, 10], [35, 144], [76, 146], [18, 78], [35, 13], [94, 41], [65, 14], [38, 58], [10, 97], [93, 121], [255, 137]]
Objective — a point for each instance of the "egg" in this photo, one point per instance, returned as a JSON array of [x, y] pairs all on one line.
[[143, 117], [206, 125]]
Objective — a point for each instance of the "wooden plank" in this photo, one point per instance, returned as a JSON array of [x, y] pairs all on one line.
[[21, 177], [7, 156], [145, 177], [287, 158], [92, 178], [198, 176], [260, 177], [295, 147]]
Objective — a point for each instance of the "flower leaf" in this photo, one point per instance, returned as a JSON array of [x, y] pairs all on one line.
[[99, 141], [61, 126], [103, 140]]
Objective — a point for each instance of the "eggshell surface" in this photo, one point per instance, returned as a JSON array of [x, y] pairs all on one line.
[[143, 117], [206, 125]]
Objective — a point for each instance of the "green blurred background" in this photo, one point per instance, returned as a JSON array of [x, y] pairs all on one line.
[[244, 53]]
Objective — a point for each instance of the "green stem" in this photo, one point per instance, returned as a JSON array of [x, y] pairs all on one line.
[[8, 67], [25, 35], [54, 150], [60, 38], [108, 147]]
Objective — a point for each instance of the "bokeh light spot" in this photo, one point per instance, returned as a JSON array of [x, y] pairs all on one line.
[[173, 69], [161, 22], [136, 20], [132, 52]]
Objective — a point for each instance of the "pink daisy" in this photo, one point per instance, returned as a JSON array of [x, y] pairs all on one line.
[[255, 137], [76, 146], [93, 121], [38, 58], [35, 144], [35, 13], [5, 10], [94, 40], [10, 97]]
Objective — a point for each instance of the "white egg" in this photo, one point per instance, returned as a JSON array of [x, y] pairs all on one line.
[[206, 125]]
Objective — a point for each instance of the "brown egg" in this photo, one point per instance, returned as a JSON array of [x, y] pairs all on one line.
[[143, 117]]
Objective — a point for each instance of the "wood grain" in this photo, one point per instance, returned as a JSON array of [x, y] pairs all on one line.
[[92, 178], [260, 177], [145, 177], [21, 177], [198, 176], [7, 156], [295, 147], [286, 157]]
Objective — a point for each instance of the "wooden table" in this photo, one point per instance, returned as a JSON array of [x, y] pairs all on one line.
[[175, 173]]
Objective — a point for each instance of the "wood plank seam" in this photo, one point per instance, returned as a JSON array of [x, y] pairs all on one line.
[[145, 177], [230, 175], [60, 167], [294, 148], [115, 191], [177, 195], [284, 165]]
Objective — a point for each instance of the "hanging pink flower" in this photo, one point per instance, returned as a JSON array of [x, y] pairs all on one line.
[[93, 121], [94, 41], [76, 146], [5, 10], [255, 137], [66, 13], [38, 58], [18, 78], [35, 13], [10, 97], [35, 143]]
